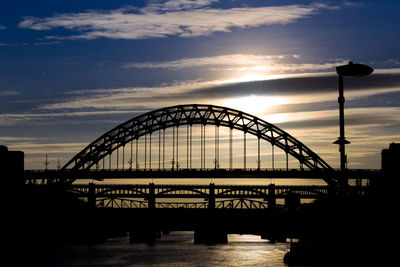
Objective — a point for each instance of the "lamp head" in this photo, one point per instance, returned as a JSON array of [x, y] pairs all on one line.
[[354, 70]]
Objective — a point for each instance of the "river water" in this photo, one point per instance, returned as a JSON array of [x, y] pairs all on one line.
[[174, 249]]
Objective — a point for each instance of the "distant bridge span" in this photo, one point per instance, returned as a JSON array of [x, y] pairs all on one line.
[[195, 114]]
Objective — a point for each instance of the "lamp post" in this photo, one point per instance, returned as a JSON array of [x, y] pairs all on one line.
[[354, 70]]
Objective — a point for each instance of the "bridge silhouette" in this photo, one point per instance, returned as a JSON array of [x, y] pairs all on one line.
[[109, 150], [211, 210], [189, 115]]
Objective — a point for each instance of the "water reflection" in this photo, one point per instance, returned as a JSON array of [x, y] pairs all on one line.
[[174, 249]]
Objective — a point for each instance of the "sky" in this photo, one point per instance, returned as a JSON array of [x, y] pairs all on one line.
[[72, 70]]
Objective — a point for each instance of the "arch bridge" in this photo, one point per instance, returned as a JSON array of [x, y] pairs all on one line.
[[117, 145], [211, 210]]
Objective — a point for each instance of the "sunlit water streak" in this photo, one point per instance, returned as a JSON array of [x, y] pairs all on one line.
[[174, 249]]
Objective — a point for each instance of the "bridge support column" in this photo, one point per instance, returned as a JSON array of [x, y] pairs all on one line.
[[147, 231], [91, 196], [332, 192], [271, 197], [292, 201], [211, 229], [211, 197], [151, 197]]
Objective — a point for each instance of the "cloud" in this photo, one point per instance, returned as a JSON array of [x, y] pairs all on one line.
[[313, 92], [172, 18], [355, 117], [222, 60], [269, 63], [14, 119], [175, 5], [5, 139], [2, 27], [353, 4], [8, 92]]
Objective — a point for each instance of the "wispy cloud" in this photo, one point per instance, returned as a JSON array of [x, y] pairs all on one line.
[[8, 92], [296, 90], [13, 139], [13, 119], [268, 64], [175, 5], [355, 117], [172, 18]]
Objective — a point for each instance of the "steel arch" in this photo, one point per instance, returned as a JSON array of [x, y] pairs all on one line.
[[191, 114]]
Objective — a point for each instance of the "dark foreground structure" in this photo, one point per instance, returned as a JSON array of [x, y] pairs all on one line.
[[355, 231], [344, 230]]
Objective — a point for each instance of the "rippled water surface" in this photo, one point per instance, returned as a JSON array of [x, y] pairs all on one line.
[[174, 249]]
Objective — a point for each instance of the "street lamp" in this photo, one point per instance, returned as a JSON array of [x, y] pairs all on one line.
[[354, 70]]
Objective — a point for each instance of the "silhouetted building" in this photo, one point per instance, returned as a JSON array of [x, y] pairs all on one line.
[[391, 158], [11, 166], [389, 181]]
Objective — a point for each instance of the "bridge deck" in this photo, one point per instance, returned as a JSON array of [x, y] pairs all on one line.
[[31, 175]]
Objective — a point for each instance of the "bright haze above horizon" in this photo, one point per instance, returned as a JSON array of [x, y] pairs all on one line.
[[72, 70]]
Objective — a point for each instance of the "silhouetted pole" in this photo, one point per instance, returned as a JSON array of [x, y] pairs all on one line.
[[342, 140], [354, 70]]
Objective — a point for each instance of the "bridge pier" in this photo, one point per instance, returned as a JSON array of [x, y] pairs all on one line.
[[211, 230], [292, 201], [271, 197], [147, 232], [91, 201], [151, 197], [211, 197]]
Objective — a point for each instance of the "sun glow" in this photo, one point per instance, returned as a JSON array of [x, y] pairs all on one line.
[[251, 78], [254, 104]]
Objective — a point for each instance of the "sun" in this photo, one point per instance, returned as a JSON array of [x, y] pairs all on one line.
[[254, 104]]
